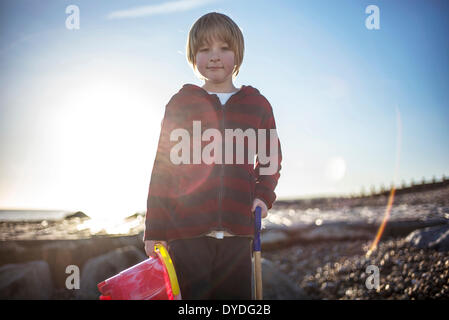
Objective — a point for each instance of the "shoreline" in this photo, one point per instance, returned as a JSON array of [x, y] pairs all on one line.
[[434, 204], [324, 261]]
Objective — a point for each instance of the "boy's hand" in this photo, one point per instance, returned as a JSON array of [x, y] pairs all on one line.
[[149, 247], [260, 203]]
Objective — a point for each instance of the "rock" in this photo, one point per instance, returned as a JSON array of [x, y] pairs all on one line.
[[442, 243], [430, 238], [335, 231], [77, 214], [273, 238], [135, 216], [105, 266], [31, 281], [332, 231], [402, 228], [277, 286], [342, 231], [11, 252], [59, 255]]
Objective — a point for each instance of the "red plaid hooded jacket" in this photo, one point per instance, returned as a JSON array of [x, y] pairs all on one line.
[[188, 200]]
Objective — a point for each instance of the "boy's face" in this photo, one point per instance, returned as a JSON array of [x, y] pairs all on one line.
[[215, 61]]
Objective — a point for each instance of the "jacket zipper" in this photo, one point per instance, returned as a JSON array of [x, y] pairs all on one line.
[[220, 191], [222, 168]]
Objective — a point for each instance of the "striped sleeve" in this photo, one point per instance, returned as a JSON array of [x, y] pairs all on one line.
[[160, 200], [268, 162]]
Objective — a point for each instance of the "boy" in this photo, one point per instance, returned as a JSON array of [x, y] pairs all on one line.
[[203, 208]]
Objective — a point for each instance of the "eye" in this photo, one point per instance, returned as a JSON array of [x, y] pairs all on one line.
[[225, 48]]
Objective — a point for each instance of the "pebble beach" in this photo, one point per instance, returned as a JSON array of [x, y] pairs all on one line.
[[337, 270], [312, 249]]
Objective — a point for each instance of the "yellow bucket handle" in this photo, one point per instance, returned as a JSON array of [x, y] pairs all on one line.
[[169, 266]]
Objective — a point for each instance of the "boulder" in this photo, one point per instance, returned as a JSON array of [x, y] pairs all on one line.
[[401, 228], [30, 281], [12, 252], [59, 255], [77, 214], [442, 243], [278, 286], [430, 238], [343, 231], [100, 268], [273, 238], [334, 231]]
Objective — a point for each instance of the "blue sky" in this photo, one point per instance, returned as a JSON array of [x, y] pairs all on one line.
[[80, 110]]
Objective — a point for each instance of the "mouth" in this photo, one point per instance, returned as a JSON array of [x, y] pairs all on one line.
[[215, 68]]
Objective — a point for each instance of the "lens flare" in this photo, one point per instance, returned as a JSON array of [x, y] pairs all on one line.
[[383, 224], [393, 189]]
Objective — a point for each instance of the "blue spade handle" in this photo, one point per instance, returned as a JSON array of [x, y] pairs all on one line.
[[257, 227]]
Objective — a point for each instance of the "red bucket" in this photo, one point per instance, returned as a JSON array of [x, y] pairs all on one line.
[[152, 279]]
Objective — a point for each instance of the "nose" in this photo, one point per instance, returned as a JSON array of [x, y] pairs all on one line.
[[215, 56]]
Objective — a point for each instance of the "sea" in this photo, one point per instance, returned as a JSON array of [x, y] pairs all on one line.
[[33, 215], [285, 217]]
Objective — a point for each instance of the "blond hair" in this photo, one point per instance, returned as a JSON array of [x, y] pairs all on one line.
[[218, 26]]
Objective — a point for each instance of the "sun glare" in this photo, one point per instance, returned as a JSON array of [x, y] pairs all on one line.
[[335, 168], [100, 146], [110, 226]]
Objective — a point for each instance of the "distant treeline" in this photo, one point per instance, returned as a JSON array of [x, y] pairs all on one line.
[[413, 186], [372, 196]]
